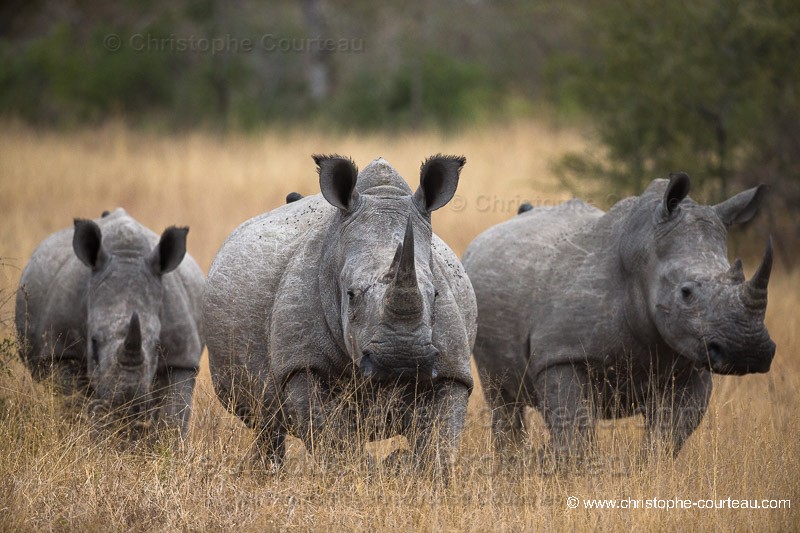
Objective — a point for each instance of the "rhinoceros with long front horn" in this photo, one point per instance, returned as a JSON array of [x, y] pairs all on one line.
[[343, 293]]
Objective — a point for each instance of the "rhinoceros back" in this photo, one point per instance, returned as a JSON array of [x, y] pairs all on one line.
[[509, 265], [243, 283]]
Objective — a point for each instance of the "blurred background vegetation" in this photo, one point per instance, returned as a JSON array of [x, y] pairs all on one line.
[[708, 86]]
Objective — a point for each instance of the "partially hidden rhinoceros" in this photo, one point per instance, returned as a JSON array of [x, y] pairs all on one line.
[[586, 314], [346, 293], [108, 309]]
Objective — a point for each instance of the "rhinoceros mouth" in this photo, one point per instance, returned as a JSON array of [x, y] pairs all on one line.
[[724, 362], [382, 368]]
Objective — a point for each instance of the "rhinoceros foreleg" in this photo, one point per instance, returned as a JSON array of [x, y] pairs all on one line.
[[324, 425], [673, 415], [303, 408], [173, 390], [565, 401], [508, 420], [270, 446], [435, 428]]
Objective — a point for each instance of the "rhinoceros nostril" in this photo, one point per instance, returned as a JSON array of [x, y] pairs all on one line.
[[715, 352]]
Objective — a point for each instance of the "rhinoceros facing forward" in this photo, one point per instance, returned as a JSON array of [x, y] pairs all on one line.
[[108, 309], [586, 314], [347, 290]]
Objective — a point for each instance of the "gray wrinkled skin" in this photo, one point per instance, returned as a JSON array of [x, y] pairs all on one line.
[[348, 290], [586, 314], [110, 310]]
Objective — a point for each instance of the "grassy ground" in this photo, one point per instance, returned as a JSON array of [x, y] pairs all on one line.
[[55, 475]]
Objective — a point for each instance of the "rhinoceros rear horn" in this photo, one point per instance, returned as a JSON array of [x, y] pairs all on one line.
[[169, 251], [757, 285], [736, 271], [131, 354], [403, 298]]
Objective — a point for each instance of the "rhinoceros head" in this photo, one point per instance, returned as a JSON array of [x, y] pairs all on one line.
[[123, 311], [380, 252], [702, 306]]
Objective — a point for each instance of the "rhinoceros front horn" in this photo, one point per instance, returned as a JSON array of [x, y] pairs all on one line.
[[756, 288], [131, 354], [403, 298], [736, 272]]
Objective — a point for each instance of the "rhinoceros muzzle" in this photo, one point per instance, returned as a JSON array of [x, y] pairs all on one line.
[[381, 366], [727, 362], [756, 356]]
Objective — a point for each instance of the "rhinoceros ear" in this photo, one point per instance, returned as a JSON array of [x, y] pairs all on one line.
[[169, 251], [87, 242], [337, 180], [677, 190], [742, 207], [438, 180]]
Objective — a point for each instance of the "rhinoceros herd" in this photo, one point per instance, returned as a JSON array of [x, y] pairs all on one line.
[[313, 311]]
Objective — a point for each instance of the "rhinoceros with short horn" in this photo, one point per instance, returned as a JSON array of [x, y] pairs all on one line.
[[586, 314], [341, 291], [108, 309]]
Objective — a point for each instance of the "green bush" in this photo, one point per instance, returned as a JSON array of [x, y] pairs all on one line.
[[60, 78], [708, 87], [452, 92]]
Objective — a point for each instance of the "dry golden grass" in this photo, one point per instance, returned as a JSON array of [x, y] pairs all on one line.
[[54, 475]]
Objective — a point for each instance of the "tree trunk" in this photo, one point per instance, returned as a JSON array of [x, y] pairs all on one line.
[[318, 73]]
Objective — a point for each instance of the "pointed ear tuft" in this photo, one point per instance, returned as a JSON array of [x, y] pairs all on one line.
[[438, 180], [337, 180], [677, 190], [741, 207], [170, 250], [87, 242]]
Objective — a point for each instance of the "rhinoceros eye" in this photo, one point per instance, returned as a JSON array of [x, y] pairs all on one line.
[[353, 299], [687, 294], [354, 295]]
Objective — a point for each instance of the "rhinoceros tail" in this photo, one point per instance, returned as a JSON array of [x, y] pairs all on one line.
[[293, 197], [524, 207]]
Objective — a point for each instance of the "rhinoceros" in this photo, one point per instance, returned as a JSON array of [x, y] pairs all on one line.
[[109, 310], [346, 290], [585, 314]]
